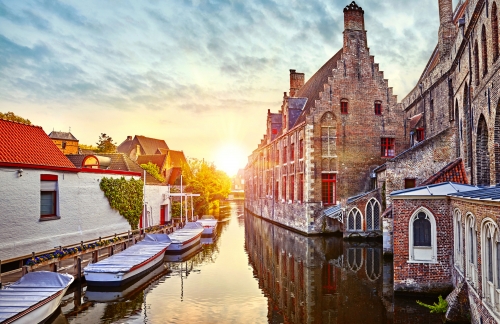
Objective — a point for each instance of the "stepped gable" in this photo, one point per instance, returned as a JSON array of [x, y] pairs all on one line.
[[27, 144], [314, 85]]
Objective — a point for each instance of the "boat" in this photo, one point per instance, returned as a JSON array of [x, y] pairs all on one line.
[[129, 264], [121, 293], [34, 297], [186, 255], [183, 239], [209, 224]]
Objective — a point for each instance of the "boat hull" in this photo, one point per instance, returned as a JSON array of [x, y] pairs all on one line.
[[109, 279], [180, 247]]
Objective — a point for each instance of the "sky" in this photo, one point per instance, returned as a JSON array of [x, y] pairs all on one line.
[[200, 74]]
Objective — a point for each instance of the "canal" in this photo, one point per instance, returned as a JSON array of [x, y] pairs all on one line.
[[255, 272]]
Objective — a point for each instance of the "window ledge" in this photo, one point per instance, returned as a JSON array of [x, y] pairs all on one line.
[[423, 261], [49, 218]]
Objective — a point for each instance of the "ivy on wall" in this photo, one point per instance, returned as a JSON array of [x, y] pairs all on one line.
[[125, 197]]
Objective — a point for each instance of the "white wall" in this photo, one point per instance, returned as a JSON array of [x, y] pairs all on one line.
[[84, 210], [155, 197]]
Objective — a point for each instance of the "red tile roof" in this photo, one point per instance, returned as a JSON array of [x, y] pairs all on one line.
[[414, 120], [27, 144], [453, 172]]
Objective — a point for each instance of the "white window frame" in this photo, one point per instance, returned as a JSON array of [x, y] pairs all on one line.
[[471, 273], [53, 187], [352, 213], [458, 235], [491, 289], [372, 204], [432, 258]]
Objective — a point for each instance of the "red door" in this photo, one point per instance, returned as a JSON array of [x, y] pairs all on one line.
[[163, 214]]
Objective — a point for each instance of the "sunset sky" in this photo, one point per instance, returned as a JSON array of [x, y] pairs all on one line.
[[198, 74]]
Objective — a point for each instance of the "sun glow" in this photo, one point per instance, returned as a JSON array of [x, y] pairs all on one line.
[[229, 158]]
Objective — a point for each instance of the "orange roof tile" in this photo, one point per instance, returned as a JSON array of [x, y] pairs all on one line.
[[27, 144], [453, 172]]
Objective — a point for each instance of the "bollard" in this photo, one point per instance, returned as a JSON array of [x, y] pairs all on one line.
[[79, 268]]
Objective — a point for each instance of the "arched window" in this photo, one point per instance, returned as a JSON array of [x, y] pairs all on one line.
[[466, 127], [476, 63], [344, 106], [354, 221], [489, 262], [372, 215], [470, 250], [373, 263], [457, 130], [355, 259], [484, 49], [458, 238], [422, 237], [494, 31], [482, 154], [497, 145]]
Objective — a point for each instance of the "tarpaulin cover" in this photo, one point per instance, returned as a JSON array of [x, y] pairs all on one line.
[[31, 289], [189, 231], [134, 255]]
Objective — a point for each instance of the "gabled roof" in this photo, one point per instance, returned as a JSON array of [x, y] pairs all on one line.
[[314, 85], [440, 189], [161, 151], [121, 161], [453, 172], [414, 120], [157, 159], [150, 145], [62, 136], [27, 144], [177, 159]]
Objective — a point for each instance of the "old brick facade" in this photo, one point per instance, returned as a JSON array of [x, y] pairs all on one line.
[[330, 133]]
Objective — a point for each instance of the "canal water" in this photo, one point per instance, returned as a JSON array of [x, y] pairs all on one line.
[[255, 272]]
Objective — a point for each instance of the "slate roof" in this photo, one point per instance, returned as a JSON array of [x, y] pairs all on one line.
[[491, 193], [453, 172], [28, 144], [314, 85], [440, 189], [62, 136]]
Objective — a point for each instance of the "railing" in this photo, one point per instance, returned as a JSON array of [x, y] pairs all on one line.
[[81, 253]]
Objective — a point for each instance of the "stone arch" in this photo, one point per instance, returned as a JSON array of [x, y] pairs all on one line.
[[482, 153], [328, 119], [484, 50], [494, 30], [497, 144]]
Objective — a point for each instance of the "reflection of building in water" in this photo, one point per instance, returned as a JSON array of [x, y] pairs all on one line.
[[316, 279]]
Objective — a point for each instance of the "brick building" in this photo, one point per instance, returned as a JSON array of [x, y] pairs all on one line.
[[330, 134], [65, 141]]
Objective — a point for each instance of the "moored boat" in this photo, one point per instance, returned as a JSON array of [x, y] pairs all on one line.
[[183, 239], [129, 264], [209, 224], [34, 297]]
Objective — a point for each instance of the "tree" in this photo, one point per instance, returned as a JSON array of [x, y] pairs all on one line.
[[11, 116], [153, 170], [105, 144], [203, 178], [87, 147]]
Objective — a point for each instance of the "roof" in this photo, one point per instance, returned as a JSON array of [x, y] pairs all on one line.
[[177, 158], [62, 135], [156, 159], [491, 193], [334, 212], [440, 189], [150, 145], [161, 151], [121, 161], [28, 144], [452, 172], [414, 120], [314, 85]]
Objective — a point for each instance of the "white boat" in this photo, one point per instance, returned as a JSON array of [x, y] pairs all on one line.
[[184, 256], [209, 224], [34, 297], [129, 264], [183, 239]]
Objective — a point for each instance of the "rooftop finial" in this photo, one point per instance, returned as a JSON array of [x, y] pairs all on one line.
[[354, 7]]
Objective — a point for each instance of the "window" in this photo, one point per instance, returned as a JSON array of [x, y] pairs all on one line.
[[48, 195], [378, 108], [284, 154], [301, 188], [457, 221], [470, 250], [63, 145], [292, 187], [301, 149], [328, 188], [292, 152], [284, 188], [494, 30], [484, 51], [276, 190], [354, 221], [409, 183], [344, 106], [277, 157], [476, 63], [422, 237], [490, 265], [373, 215], [420, 134], [387, 147]]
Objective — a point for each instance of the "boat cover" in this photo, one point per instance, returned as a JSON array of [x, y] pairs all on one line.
[[192, 226], [189, 231], [132, 256], [31, 289]]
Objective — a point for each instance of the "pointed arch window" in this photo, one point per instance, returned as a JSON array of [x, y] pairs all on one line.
[[354, 221], [484, 51], [422, 237], [470, 250], [494, 31], [490, 262], [476, 63], [373, 215], [482, 153]]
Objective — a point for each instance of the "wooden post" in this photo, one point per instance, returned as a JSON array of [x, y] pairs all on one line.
[[95, 256], [0, 274], [25, 270], [79, 268], [78, 295], [53, 267], [128, 238]]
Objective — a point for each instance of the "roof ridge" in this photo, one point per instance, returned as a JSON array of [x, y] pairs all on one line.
[[16, 122]]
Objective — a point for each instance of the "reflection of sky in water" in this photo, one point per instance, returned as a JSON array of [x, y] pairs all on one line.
[[256, 272]]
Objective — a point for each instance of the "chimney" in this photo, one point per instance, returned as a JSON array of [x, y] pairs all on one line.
[[129, 138], [446, 27], [354, 24], [296, 82]]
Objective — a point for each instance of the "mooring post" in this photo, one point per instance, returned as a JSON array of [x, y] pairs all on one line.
[[0, 274], [53, 267], [128, 237], [25, 270], [79, 268], [78, 295], [94, 256]]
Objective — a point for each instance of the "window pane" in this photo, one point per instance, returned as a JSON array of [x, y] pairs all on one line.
[[421, 231], [376, 216], [358, 220], [47, 203], [369, 216]]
